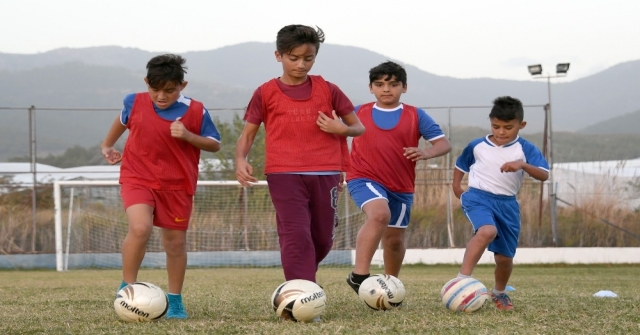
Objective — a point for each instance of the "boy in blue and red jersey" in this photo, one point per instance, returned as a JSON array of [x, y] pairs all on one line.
[[496, 165], [160, 168], [381, 178], [306, 120]]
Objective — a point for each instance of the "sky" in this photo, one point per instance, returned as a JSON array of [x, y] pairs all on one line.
[[455, 38]]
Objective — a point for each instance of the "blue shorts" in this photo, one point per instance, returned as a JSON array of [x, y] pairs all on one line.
[[364, 190], [502, 211]]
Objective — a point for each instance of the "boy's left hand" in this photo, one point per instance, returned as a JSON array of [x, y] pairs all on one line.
[[331, 125], [415, 154], [512, 166], [178, 130]]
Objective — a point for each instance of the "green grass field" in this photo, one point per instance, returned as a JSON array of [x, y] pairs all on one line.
[[548, 300]]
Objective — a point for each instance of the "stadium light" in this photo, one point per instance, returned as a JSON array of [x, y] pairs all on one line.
[[562, 68], [536, 72], [535, 69]]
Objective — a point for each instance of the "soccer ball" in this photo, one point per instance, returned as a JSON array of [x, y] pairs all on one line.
[[464, 295], [299, 300], [141, 302], [382, 292]]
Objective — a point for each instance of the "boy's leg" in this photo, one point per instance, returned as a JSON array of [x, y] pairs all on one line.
[[504, 267], [394, 250], [172, 214], [140, 218], [478, 207], [475, 248], [504, 249], [323, 208], [393, 237], [369, 236], [371, 197], [291, 201], [174, 243]]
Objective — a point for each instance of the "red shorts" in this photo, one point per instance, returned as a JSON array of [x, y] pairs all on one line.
[[171, 209]]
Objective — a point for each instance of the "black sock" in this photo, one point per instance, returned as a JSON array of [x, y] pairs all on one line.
[[358, 279]]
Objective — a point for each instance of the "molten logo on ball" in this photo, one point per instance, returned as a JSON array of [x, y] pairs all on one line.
[[141, 302], [382, 292], [298, 300]]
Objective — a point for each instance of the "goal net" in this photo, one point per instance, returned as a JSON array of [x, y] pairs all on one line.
[[230, 226]]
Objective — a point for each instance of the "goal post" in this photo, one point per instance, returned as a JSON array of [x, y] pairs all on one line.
[[230, 225]]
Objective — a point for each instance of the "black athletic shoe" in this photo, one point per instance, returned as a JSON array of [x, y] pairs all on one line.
[[355, 286]]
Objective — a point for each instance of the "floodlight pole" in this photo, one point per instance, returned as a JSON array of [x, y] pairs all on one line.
[[552, 186]]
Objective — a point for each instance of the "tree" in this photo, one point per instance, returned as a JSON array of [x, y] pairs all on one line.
[[220, 168], [224, 168], [74, 156]]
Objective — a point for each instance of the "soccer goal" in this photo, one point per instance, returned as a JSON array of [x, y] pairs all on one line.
[[230, 225]]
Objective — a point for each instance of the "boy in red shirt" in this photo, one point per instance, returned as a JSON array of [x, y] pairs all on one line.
[[307, 120], [160, 168]]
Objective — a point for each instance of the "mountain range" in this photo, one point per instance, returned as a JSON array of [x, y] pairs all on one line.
[[96, 79]]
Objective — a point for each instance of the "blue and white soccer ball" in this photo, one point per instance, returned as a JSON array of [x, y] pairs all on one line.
[[464, 295]]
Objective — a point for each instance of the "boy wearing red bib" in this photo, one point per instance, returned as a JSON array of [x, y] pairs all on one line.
[[381, 177], [160, 168], [307, 120]]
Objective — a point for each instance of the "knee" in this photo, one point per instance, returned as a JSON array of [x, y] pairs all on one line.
[[175, 246], [380, 216], [487, 233], [503, 261], [393, 243], [323, 249], [140, 231]]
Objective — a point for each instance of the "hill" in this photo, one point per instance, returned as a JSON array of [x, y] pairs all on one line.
[[576, 104], [98, 78], [625, 124]]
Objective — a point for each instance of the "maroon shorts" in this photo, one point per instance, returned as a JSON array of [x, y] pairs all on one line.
[[171, 208]]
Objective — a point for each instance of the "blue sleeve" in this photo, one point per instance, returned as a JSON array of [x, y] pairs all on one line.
[[534, 156], [127, 103], [208, 128], [466, 158], [429, 129]]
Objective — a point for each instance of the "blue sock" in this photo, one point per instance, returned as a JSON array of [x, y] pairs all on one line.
[[122, 285]]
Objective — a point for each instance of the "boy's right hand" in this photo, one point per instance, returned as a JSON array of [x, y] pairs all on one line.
[[244, 173], [457, 191], [111, 155], [331, 125]]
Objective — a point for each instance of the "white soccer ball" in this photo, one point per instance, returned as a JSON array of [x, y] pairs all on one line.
[[141, 302], [464, 295], [299, 300], [382, 292]]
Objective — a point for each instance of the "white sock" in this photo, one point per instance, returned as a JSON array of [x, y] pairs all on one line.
[[460, 275], [499, 292]]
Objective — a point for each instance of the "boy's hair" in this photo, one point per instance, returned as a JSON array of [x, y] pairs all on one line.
[[386, 71], [165, 68], [506, 109], [295, 35]]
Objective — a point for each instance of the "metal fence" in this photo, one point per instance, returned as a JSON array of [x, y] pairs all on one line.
[[35, 132]]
